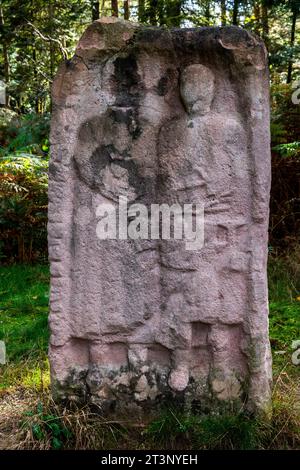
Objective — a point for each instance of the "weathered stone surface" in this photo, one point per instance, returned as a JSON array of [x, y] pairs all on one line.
[[161, 116]]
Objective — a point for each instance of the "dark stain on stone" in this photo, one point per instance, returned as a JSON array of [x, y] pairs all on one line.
[[102, 157], [162, 86], [126, 71], [165, 82], [127, 81], [128, 117], [129, 88], [71, 63]]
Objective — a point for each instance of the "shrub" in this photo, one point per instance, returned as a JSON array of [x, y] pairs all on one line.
[[23, 207]]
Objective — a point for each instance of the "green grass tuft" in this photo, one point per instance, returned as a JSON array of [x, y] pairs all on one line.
[[284, 296], [204, 432], [24, 297]]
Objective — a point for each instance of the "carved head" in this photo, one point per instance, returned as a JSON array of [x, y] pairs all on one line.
[[197, 87]]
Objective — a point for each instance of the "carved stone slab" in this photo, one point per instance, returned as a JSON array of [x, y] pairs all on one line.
[[167, 117]]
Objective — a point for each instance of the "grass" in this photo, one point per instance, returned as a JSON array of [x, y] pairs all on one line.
[[284, 304], [24, 297], [29, 419]]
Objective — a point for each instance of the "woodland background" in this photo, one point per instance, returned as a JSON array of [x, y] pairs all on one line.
[[35, 36]]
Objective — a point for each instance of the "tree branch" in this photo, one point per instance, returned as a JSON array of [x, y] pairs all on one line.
[[63, 51]]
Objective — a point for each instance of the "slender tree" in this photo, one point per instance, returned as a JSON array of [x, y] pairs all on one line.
[[126, 10], [5, 53], [152, 12], [295, 7], [173, 12], [265, 20], [235, 12], [95, 10], [256, 14], [51, 13], [207, 12], [141, 10], [223, 12], [114, 8]]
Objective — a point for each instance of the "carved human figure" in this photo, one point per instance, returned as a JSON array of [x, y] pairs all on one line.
[[111, 160], [200, 166]]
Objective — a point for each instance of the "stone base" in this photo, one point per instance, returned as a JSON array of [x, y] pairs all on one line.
[[145, 388]]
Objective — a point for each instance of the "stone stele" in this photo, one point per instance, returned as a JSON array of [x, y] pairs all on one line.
[[161, 116]]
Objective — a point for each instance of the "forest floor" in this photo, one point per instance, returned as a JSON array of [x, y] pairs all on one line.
[[29, 419]]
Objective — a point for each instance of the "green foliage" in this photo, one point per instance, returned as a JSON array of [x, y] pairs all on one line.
[[285, 324], [285, 201], [285, 116], [24, 294], [204, 432], [284, 293], [291, 150], [6, 117], [46, 427], [23, 187], [37, 36], [27, 134], [23, 204]]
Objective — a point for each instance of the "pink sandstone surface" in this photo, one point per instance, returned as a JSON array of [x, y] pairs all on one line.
[[161, 116]]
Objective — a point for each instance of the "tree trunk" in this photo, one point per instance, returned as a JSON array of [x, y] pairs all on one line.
[[153, 12], [207, 12], [5, 55], [95, 11], [141, 11], [256, 13], [265, 23], [235, 12], [51, 45], [223, 12], [114, 8], [102, 9], [173, 11], [35, 74], [126, 10], [292, 43]]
